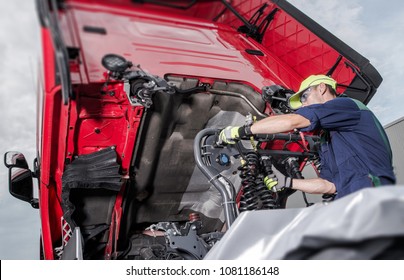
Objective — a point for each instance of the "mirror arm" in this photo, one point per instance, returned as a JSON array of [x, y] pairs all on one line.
[[34, 203], [35, 173]]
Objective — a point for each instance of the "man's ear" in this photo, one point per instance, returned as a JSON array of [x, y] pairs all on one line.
[[323, 88]]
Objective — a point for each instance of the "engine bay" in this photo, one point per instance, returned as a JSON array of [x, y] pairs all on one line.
[[182, 189]]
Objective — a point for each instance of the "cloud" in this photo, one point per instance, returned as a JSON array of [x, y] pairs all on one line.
[[387, 47], [339, 17], [19, 52], [374, 29]]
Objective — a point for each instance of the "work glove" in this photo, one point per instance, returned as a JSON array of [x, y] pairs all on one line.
[[277, 181], [270, 181], [231, 134]]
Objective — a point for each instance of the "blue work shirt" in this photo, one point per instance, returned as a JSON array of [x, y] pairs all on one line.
[[355, 153]]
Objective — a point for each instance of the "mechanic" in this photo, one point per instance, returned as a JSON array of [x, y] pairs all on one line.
[[355, 151]]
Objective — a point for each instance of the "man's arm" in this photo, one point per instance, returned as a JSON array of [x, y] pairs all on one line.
[[269, 125], [314, 186], [279, 123]]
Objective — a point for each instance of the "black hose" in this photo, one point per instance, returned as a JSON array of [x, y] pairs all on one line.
[[295, 173]]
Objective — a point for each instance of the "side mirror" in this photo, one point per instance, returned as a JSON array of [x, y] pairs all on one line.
[[20, 178], [15, 159]]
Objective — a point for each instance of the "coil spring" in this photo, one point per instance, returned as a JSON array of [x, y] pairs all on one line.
[[255, 194], [248, 175], [267, 197]]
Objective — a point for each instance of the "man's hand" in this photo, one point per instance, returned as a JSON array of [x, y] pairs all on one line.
[[229, 135], [277, 181], [271, 181]]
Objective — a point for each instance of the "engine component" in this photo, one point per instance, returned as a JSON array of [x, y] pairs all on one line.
[[184, 239], [255, 195], [223, 159], [170, 240], [116, 64], [278, 97], [139, 85]]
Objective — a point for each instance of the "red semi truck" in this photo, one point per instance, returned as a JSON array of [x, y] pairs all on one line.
[[127, 88]]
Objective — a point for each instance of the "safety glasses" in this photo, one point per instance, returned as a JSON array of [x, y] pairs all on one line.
[[305, 95]]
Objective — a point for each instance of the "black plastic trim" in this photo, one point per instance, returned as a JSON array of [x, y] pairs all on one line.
[[98, 170], [73, 52], [61, 53], [95, 29], [168, 4], [41, 10], [254, 52]]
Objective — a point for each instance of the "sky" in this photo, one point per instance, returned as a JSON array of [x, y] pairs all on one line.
[[19, 58], [373, 28]]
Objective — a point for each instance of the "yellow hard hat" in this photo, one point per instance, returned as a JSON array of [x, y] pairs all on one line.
[[313, 80]]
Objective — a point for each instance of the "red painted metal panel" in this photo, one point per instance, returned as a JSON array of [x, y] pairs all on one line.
[[302, 50], [292, 44], [49, 84], [101, 120], [183, 47], [291, 51]]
